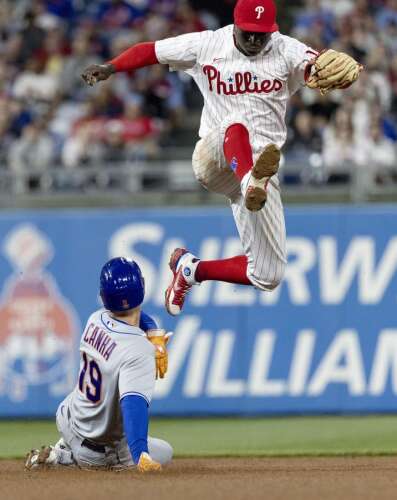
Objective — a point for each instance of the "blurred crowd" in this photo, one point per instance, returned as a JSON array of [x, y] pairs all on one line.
[[50, 119], [48, 116], [348, 135]]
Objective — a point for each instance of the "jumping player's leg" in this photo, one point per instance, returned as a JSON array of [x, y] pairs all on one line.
[[262, 266], [223, 159], [263, 239], [262, 232]]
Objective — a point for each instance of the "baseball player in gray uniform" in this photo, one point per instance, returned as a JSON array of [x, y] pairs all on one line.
[[246, 73], [104, 421]]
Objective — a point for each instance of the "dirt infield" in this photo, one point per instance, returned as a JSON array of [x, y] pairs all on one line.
[[214, 479]]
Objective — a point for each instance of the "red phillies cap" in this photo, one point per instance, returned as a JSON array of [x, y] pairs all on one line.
[[256, 16]]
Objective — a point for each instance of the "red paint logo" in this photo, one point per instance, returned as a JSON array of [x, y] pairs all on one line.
[[240, 83], [38, 325]]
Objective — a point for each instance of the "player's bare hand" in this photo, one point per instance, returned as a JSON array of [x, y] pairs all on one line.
[[147, 464], [96, 73]]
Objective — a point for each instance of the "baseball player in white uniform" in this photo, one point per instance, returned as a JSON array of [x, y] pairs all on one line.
[[104, 421], [246, 73]]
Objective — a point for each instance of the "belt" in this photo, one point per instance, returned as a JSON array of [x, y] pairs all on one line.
[[99, 448]]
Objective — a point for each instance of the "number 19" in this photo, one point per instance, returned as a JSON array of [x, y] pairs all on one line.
[[92, 388]]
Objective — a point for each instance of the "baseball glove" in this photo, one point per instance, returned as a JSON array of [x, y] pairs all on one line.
[[333, 70], [159, 338]]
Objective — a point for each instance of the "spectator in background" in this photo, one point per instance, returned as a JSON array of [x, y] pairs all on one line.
[[115, 15], [338, 148], [389, 37], [30, 38], [162, 93], [97, 138], [392, 74], [377, 71], [387, 15], [304, 147], [30, 156], [44, 43], [114, 154], [81, 56], [306, 138], [83, 148], [315, 17], [107, 103], [34, 84], [375, 158], [63, 9], [339, 8], [5, 135], [186, 19]]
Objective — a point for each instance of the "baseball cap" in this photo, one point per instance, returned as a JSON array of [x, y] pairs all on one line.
[[256, 16]]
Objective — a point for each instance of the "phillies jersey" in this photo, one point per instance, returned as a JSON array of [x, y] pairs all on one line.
[[116, 360], [231, 83]]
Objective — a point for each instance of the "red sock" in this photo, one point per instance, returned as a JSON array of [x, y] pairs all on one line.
[[237, 149], [232, 270]]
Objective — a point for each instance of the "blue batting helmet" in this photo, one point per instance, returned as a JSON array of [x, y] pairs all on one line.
[[122, 285]]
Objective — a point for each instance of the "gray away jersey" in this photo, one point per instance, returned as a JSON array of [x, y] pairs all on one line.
[[116, 360]]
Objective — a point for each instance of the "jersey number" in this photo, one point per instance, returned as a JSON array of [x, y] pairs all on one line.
[[92, 388]]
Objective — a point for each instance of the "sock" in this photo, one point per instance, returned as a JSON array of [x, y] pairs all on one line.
[[232, 270], [237, 149]]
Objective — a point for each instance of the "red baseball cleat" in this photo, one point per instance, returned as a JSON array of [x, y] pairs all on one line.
[[265, 167], [183, 265]]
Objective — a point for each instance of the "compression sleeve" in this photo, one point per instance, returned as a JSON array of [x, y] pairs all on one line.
[[137, 56], [136, 423], [147, 322]]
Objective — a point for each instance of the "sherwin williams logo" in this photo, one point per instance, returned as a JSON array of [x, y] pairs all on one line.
[[38, 325]]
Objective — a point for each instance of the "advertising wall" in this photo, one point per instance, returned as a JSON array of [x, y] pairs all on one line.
[[325, 341]]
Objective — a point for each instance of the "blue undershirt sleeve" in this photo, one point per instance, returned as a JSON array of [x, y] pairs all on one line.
[[147, 322], [136, 423]]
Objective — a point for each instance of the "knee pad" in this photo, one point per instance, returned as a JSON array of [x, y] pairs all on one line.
[[210, 168]]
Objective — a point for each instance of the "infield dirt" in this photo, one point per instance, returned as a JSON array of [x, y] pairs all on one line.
[[214, 479]]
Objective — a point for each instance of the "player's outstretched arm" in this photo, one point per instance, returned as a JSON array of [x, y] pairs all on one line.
[[137, 56]]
